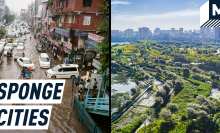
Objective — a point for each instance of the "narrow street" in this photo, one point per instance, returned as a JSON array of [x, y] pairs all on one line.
[[63, 118]]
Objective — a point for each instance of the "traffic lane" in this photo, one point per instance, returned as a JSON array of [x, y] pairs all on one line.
[[9, 69]]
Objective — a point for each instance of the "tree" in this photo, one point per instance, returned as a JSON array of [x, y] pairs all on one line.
[[141, 85], [203, 115], [158, 68], [179, 69], [195, 69], [166, 114], [186, 71], [192, 113], [166, 87], [169, 82], [119, 51], [160, 93], [158, 100], [212, 74], [173, 107], [103, 46], [133, 91], [146, 76], [179, 82]]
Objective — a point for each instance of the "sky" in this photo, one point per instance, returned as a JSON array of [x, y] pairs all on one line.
[[163, 14], [17, 5]]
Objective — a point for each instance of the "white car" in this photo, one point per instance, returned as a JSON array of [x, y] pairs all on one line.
[[63, 71], [44, 60], [25, 62], [3, 41], [10, 45], [15, 43], [24, 37], [20, 46], [6, 49]]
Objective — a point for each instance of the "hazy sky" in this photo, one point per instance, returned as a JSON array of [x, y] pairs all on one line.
[[17, 5], [163, 14]]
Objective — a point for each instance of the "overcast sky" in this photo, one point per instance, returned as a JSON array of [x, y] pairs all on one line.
[[17, 5], [163, 14]]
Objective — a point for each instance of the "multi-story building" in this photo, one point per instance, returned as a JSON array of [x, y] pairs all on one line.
[[73, 24], [143, 32], [217, 33], [2, 9], [180, 30], [129, 33]]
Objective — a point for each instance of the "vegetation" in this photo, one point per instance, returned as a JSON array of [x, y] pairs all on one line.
[[189, 108]]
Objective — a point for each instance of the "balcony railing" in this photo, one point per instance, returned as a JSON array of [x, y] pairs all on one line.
[[68, 25]]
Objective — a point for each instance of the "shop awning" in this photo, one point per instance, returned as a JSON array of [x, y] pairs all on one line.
[[90, 43], [81, 33], [63, 32]]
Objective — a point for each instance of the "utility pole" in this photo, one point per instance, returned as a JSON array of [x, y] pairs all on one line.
[[41, 24]]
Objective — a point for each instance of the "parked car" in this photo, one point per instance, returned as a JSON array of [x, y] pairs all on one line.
[[21, 40], [40, 47], [6, 49], [15, 43], [63, 71], [24, 37], [4, 41], [20, 46], [44, 60], [25, 62], [10, 45], [19, 54]]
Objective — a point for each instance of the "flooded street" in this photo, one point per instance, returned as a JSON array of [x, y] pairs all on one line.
[[63, 119]]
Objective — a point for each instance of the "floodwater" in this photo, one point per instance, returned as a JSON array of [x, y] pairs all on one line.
[[63, 119]]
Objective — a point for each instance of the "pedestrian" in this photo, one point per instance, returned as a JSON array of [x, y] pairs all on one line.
[[30, 37], [77, 81], [50, 61], [95, 86]]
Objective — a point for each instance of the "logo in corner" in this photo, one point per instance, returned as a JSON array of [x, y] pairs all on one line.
[[210, 14]]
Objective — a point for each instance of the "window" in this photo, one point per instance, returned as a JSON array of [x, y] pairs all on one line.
[[65, 39], [67, 3], [60, 70], [73, 69], [87, 3], [73, 19], [87, 20]]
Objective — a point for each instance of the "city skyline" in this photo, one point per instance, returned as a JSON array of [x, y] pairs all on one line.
[[155, 14]]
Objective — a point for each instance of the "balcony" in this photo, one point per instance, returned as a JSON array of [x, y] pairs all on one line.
[[68, 25]]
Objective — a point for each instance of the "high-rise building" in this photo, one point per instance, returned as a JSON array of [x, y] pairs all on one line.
[[157, 31], [180, 30], [129, 33], [2, 9], [143, 32], [217, 33], [203, 30]]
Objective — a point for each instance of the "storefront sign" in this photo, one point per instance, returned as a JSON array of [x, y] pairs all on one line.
[[52, 25], [42, 33], [43, 0], [78, 57], [69, 45], [44, 10], [90, 43], [57, 43], [66, 50], [81, 33], [96, 64], [95, 37], [61, 31]]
